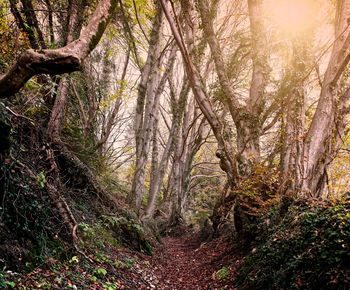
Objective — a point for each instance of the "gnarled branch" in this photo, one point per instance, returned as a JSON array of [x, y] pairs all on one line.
[[58, 61]]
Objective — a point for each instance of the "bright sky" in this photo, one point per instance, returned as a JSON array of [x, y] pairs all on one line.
[[292, 16]]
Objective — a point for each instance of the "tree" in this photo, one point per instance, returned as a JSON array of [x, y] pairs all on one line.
[[74, 24], [318, 140], [225, 150], [248, 118], [149, 91], [61, 60]]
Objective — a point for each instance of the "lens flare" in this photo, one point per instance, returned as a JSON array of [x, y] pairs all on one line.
[[291, 16]]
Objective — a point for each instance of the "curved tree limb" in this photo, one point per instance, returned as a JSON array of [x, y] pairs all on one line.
[[226, 151], [58, 61]]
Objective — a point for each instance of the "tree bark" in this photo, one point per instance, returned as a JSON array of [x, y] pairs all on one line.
[[225, 150], [58, 61], [318, 137], [33, 23], [147, 103], [190, 142], [248, 118], [293, 124], [51, 23], [109, 124], [178, 112], [74, 24]]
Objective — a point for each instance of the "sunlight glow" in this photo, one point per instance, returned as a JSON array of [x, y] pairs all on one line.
[[291, 16]]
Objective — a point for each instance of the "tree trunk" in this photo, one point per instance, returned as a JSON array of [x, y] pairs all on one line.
[[246, 118], [318, 138], [248, 143], [74, 25], [293, 124], [249, 124], [57, 113], [225, 149], [147, 104], [187, 147], [178, 109]]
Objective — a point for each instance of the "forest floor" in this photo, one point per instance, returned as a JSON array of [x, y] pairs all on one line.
[[182, 262], [179, 262]]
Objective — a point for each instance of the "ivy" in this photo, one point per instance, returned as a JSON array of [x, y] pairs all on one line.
[[310, 248]]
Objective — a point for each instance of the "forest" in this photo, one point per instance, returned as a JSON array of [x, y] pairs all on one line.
[[174, 144]]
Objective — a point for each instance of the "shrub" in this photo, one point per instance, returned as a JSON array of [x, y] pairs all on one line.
[[309, 249]]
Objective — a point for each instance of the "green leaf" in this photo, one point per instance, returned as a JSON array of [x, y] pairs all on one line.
[[100, 272], [11, 284], [41, 179]]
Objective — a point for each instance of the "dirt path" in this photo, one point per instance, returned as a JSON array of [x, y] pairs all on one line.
[[183, 263], [178, 263]]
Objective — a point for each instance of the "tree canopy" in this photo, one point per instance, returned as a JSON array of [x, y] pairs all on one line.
[[163, 111]]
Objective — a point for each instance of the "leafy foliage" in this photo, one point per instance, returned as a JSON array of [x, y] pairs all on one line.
[[26, 209], [309, 249], [129, 232], [223, 273]]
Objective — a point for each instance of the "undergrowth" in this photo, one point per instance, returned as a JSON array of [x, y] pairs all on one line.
[[30, 226], [114, 232], [308, 249], [32, 230]]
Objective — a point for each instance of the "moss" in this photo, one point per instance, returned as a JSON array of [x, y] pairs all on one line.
[[97, 237], [130, 233], [114, 231], [102, 26], [97, 36]]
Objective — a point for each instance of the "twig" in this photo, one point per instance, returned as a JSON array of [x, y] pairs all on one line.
[[20, 116]]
